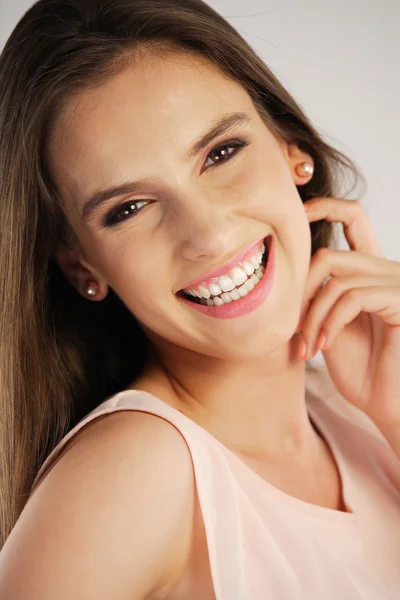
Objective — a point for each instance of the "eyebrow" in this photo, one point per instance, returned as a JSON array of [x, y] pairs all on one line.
[[222, 125]]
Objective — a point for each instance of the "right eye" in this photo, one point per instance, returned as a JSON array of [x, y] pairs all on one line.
[[122, 212]]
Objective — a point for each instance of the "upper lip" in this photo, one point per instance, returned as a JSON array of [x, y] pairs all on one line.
[[225, 268]]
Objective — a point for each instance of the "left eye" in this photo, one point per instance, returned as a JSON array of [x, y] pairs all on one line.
[[223, 152]]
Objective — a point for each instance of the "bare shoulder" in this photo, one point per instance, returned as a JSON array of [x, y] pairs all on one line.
[[111, 520]]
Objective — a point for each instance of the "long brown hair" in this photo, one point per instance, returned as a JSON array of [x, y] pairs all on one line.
[[60, 355]]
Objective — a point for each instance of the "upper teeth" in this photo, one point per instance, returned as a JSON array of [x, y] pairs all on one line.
[[227, 283]]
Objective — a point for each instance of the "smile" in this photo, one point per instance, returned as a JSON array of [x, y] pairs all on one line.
[[235, 284], [240, 290]]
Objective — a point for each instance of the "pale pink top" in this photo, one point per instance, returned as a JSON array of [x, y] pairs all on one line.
[[265, 544]]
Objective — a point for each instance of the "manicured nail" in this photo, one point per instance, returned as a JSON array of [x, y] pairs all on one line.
[[302, 349], [321, 341]]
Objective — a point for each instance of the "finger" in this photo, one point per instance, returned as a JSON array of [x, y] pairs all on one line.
[[357, 227], [328, 297], [384, 302], [329, 263]]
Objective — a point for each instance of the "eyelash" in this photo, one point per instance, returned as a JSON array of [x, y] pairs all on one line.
[[110, 220]]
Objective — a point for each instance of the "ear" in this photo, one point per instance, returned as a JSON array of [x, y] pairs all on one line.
[[78, 271], [294, 158]]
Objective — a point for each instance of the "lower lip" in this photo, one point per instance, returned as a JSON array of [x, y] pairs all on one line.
[[253, 300]]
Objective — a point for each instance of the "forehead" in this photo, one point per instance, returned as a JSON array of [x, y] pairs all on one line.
[[156, 105]]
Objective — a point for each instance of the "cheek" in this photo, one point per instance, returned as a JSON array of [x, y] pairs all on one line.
[[137, 275], [292, 227], [265, 181], [298, 229], [265, 191], [301, 242]]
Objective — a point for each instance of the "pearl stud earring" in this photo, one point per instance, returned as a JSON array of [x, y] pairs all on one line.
[[91, 289], [304, 169]]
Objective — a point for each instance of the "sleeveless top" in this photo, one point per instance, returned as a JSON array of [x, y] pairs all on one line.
[[264, 543]]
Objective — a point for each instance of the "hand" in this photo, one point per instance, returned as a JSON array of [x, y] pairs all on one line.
[[354, 317]]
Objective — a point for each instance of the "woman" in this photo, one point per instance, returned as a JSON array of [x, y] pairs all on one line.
[[165, 252]]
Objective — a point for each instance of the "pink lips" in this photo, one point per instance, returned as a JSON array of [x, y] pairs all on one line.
[[248, 303], [224, 270]]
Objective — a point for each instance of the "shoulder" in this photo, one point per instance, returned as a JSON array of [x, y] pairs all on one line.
[[115, 511]]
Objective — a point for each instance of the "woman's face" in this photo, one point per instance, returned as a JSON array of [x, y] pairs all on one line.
[[192, 213]]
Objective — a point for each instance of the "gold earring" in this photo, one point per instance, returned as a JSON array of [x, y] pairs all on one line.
[[304, 169]]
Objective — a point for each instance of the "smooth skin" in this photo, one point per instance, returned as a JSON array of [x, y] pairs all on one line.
[[112, 520]]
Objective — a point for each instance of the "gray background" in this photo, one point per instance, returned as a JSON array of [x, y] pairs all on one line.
[[341, 61]]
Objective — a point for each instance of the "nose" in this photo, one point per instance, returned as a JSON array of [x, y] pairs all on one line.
[[206, 230]]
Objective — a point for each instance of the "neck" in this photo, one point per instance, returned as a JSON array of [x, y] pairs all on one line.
[[256, 408]]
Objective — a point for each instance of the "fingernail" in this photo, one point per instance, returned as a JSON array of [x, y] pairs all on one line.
[[321, 341], [302, 349]]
